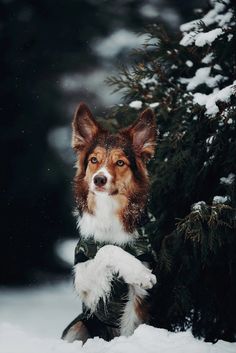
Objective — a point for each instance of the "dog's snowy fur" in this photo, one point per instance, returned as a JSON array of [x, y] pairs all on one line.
[[111, 213]]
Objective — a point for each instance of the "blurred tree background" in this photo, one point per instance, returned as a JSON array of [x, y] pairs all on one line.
[[53, 55]]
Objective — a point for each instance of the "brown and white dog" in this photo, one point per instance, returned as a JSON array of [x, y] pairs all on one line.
[[111, 190]]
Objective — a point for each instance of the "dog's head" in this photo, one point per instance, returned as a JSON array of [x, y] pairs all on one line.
[[113, 163]]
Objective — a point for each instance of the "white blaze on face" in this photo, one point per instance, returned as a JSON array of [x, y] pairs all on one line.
[[102, 171], [103, 224]]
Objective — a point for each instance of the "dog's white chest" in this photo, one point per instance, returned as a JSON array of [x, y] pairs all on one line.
[[104, 225]]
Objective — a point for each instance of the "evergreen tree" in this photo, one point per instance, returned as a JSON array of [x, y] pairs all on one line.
[[189, 81]]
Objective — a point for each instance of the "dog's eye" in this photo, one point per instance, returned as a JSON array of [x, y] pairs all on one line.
[[94, 160], [120, 163]]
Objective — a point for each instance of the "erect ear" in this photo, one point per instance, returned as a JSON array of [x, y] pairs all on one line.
[[144, 134], [84, 127]]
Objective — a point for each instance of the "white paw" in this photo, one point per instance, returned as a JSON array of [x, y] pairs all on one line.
[[91, 296], [148, 281], [144, 278], [92, 283]]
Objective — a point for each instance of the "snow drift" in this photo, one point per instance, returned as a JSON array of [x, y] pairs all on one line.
[[145, 339]]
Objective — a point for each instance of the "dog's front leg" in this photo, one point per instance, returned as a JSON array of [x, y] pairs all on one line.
[[139, 278], [92, 280], [127, 266], [93, 277]]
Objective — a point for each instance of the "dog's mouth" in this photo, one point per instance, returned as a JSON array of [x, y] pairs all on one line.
[[104, 189], [100, 189]]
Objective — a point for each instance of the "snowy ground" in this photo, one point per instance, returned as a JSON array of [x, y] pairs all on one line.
[[145, 339], [31, 321], [43, 311]]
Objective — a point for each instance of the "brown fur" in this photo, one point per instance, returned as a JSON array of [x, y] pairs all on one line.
[[80, 330], [142, 309], [133, 145]]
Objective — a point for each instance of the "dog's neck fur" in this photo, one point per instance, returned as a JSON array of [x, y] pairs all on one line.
[[104, 224]]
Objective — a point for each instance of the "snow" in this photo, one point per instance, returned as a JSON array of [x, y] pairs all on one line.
[[220, 199], [148, 10], [153, 9], [198, 206], [42, 311], [32, 320], [228, 180], [210, 139], [213, 16], [202, 76], [195, 34], [166, 134], [136, 105], [201, 39], [217, 67], [189, 63], [148, 81], [154, 105], [145, 339], [208, 58], [223, 20], [193, 31], [65, 250], [210, 100], [92, 81], [119, 41]]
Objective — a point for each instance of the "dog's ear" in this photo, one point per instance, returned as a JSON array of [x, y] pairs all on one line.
[[143, 134], [84, 127]]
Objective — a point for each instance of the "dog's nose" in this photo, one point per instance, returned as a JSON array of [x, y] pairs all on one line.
[[100, 180]]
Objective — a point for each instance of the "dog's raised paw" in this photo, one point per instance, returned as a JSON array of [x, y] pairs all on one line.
[[147, 281], [143, 278]]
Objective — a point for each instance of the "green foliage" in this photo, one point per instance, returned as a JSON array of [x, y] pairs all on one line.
[[193, 174]]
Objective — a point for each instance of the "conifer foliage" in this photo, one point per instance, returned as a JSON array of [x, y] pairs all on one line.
[[190, 82]]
